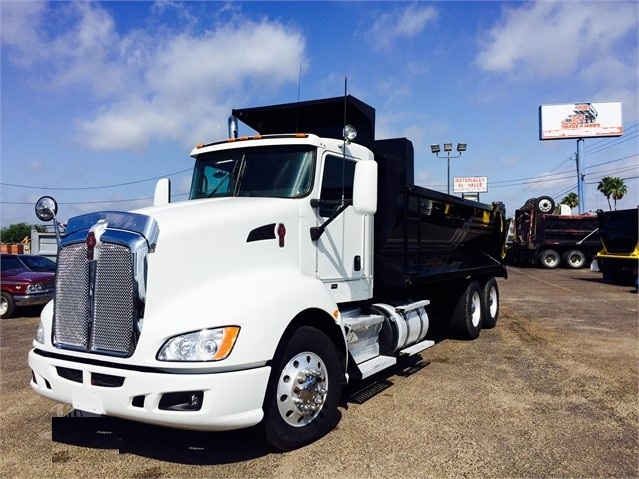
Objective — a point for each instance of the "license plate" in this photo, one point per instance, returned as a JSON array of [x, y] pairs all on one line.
[[87, 400]]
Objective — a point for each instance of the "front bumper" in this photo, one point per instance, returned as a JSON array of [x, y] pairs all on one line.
[[32, 299], [231, 400]]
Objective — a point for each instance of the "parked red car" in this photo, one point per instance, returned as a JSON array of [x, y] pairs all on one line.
[[22, 286]]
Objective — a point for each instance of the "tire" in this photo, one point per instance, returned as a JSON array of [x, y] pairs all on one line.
[[7, 306], [490, 303], [294, 418], [545, 204], [574, 259], [549, 259], [466, 321]]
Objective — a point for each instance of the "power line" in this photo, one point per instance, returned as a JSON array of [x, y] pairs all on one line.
[[94, 187], [612, 145], [101, 202], [609, 139]]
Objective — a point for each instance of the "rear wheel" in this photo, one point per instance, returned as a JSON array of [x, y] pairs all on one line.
[[574, 259], [7, 306], [467, 317], [549, 259], [303, 392], [490, 303]]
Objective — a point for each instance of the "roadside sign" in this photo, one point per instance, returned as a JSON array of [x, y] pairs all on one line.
[[470, 184]]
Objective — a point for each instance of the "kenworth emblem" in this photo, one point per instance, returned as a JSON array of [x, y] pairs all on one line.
[[93, 240]]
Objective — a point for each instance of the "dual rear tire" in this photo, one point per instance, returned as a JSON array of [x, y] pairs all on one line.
[[477, 307], [551, 259]]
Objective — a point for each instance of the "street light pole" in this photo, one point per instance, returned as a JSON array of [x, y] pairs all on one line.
[[448, 147]]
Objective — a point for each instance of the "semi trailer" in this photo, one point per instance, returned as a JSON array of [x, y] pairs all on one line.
[[318, 263]]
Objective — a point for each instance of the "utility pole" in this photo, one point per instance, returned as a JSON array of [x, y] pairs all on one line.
[[580, 176]]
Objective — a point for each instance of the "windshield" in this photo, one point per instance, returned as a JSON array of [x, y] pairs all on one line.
[[278, 171], [38, 263]]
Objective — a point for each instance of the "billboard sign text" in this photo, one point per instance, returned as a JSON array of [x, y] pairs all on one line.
[[580, 120]]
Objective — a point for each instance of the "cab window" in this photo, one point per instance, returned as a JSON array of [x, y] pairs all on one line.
[[337, 183]]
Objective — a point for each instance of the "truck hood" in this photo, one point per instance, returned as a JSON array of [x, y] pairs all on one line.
[[203, 244], [222, 225]]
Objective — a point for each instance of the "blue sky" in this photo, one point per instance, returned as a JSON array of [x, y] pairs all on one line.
[[100, 99]]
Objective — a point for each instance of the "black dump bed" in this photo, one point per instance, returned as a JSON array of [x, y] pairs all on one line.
[[421, 235], [619, 230]]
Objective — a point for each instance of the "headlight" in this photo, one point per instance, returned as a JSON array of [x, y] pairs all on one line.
[[34, 288], [204, 345], [40, 333]]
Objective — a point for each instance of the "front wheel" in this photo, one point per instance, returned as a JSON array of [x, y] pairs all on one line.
[[303, 392], [574, 259], [467, 317], [7, 306]]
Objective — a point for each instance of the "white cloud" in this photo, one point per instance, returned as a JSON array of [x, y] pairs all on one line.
[[407, 22], [557, 39], [150, 84], [21, 23]]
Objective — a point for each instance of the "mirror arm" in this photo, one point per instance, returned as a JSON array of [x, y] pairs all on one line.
[[317, 231]]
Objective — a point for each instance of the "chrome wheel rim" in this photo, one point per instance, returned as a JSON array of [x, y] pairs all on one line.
[[302, 389], [492, 302], [475, 309]]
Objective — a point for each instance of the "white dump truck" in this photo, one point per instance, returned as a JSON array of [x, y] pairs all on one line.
[[318, 261]]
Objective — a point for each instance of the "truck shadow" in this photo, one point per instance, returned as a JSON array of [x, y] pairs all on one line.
[[155, 442], [629, 283], [87, 430]]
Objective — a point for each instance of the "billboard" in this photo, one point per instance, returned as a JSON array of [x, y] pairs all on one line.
[[470, 184], [580, 120]]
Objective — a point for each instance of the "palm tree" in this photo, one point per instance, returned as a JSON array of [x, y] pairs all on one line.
[[612, 186], [571, 199]]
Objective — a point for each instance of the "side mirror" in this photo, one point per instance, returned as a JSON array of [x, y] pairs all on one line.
[[46, 208], [365, 188]]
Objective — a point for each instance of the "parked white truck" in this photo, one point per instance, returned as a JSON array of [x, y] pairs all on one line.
[[317, 262]]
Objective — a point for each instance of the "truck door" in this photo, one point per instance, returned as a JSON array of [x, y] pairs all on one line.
[[340, 250]]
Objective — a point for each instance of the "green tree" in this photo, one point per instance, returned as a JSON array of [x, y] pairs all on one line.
[[571, 199], [612, 186], [15, 233]]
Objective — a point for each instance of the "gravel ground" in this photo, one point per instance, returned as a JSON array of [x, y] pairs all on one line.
[[551, 391]]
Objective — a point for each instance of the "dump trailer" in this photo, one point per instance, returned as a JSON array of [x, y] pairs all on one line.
[[620, 253], [554, 238], [318, 263]]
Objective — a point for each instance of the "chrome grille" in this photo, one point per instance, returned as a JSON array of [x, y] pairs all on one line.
[[105, 323], [113, 302], [71, 313]]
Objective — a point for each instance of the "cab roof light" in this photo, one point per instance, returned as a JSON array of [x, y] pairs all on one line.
[[253, 137]]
